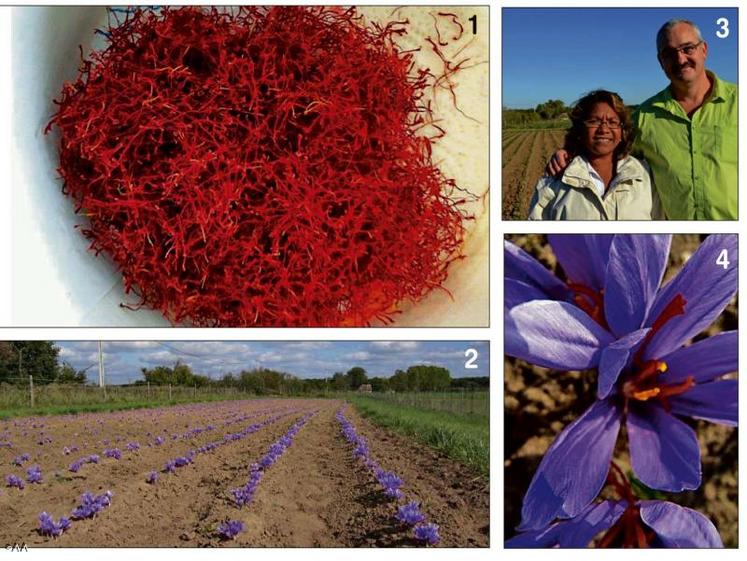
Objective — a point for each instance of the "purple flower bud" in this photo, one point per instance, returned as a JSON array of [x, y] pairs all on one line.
[[427, 533], [33, 474], [14, 481], [410, 514], [152, 477], [230, 529]]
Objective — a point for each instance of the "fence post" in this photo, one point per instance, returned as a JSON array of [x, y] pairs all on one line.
[[169, 392], [148, 390], [31, 389], [194, 392]]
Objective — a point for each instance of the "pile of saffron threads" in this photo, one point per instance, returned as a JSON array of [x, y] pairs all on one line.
[[261, 166]]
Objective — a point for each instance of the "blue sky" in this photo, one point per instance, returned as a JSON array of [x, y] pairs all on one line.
[[562, 53], [306, 359]]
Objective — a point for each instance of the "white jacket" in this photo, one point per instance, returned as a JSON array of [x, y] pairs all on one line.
[[573, 196]]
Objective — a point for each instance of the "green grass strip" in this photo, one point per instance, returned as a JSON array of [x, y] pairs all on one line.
[[106, 407], [463, 438]]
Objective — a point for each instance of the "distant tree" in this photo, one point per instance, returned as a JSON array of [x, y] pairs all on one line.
[[356, 377], [340, 382], [379, 384], [19, 359], [66, 374]]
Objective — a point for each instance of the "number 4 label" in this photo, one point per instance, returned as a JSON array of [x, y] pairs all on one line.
[[723, 259]]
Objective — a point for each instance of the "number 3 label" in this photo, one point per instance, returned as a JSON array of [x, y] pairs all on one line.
[[723, 32], [723, 259], [471, 355]]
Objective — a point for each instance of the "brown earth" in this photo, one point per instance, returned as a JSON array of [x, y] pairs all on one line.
[[317, 494], [525, 155], [540, 403]]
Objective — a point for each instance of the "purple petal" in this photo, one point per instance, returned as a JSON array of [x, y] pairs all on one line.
[[516, 292], [707, 288], [634, 272], [574, 469], [583, 257], [664, 451], [614, 358], [555, 335], [705, 360], [575, 532], [714, 401], [678, 526], [520, 266]]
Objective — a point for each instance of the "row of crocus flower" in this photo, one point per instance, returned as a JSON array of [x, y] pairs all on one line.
[[409, 513], [181, 461], [90, 505], [243, 496], [610, 314]]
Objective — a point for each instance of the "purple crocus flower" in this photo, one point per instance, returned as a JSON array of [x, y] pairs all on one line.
[[390, 482], [14, 481], [427, 533], [91, 504], [627, 523], [633, 332], [115, 453], [152, 477], [410, 514], [34, 475], [48, 527], [230, 529]]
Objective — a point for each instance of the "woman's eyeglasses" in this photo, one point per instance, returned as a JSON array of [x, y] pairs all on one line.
[[596, 123]]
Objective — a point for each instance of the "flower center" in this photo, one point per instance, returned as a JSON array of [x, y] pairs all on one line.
[[644, 382]]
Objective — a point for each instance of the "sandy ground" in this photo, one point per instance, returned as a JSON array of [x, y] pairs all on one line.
[[317, 494]]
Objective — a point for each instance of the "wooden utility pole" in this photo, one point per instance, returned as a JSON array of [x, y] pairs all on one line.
[[101, 366], [31, 389]]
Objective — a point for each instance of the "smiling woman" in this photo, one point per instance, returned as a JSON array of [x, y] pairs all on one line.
[[602, 182]]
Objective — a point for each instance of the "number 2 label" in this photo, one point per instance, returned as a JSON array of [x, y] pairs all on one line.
[[471, 355]]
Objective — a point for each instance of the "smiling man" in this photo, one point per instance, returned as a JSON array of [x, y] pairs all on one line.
[[688, 131]]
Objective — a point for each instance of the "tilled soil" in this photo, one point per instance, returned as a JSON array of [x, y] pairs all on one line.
[[316, 494]]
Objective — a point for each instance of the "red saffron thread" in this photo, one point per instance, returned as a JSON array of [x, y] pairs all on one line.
[[261, 166]]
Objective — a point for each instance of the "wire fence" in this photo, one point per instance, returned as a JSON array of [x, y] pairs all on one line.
[[473, 402], [36, 395]]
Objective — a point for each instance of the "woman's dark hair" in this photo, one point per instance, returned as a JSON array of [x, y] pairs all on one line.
[[582, 109]]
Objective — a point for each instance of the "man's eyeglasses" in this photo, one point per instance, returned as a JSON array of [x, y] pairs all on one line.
[[687, 50], [596, 123]]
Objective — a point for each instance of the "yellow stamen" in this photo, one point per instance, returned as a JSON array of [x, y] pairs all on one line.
[[646, 394], [662, 366]]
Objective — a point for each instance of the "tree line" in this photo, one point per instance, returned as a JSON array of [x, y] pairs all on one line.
[[19, 359]]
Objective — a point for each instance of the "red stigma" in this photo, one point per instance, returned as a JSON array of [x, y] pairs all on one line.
[[590, 301]]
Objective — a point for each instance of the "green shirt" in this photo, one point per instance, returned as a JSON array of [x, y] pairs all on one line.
[[693, 160]]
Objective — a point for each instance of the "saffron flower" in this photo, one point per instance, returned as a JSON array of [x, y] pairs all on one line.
[[427, 533], [410, 514], [627, 523], [115, 453], [152, 477], [90, 505], [34, 475], [633, 332], [390, 482], [14, 481], [230, 529], [48, 527]]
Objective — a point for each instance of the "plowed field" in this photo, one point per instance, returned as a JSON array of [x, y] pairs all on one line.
[[317, 493], [525, 154]]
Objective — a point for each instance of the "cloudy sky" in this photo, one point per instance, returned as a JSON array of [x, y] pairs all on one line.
[[305, 359]]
